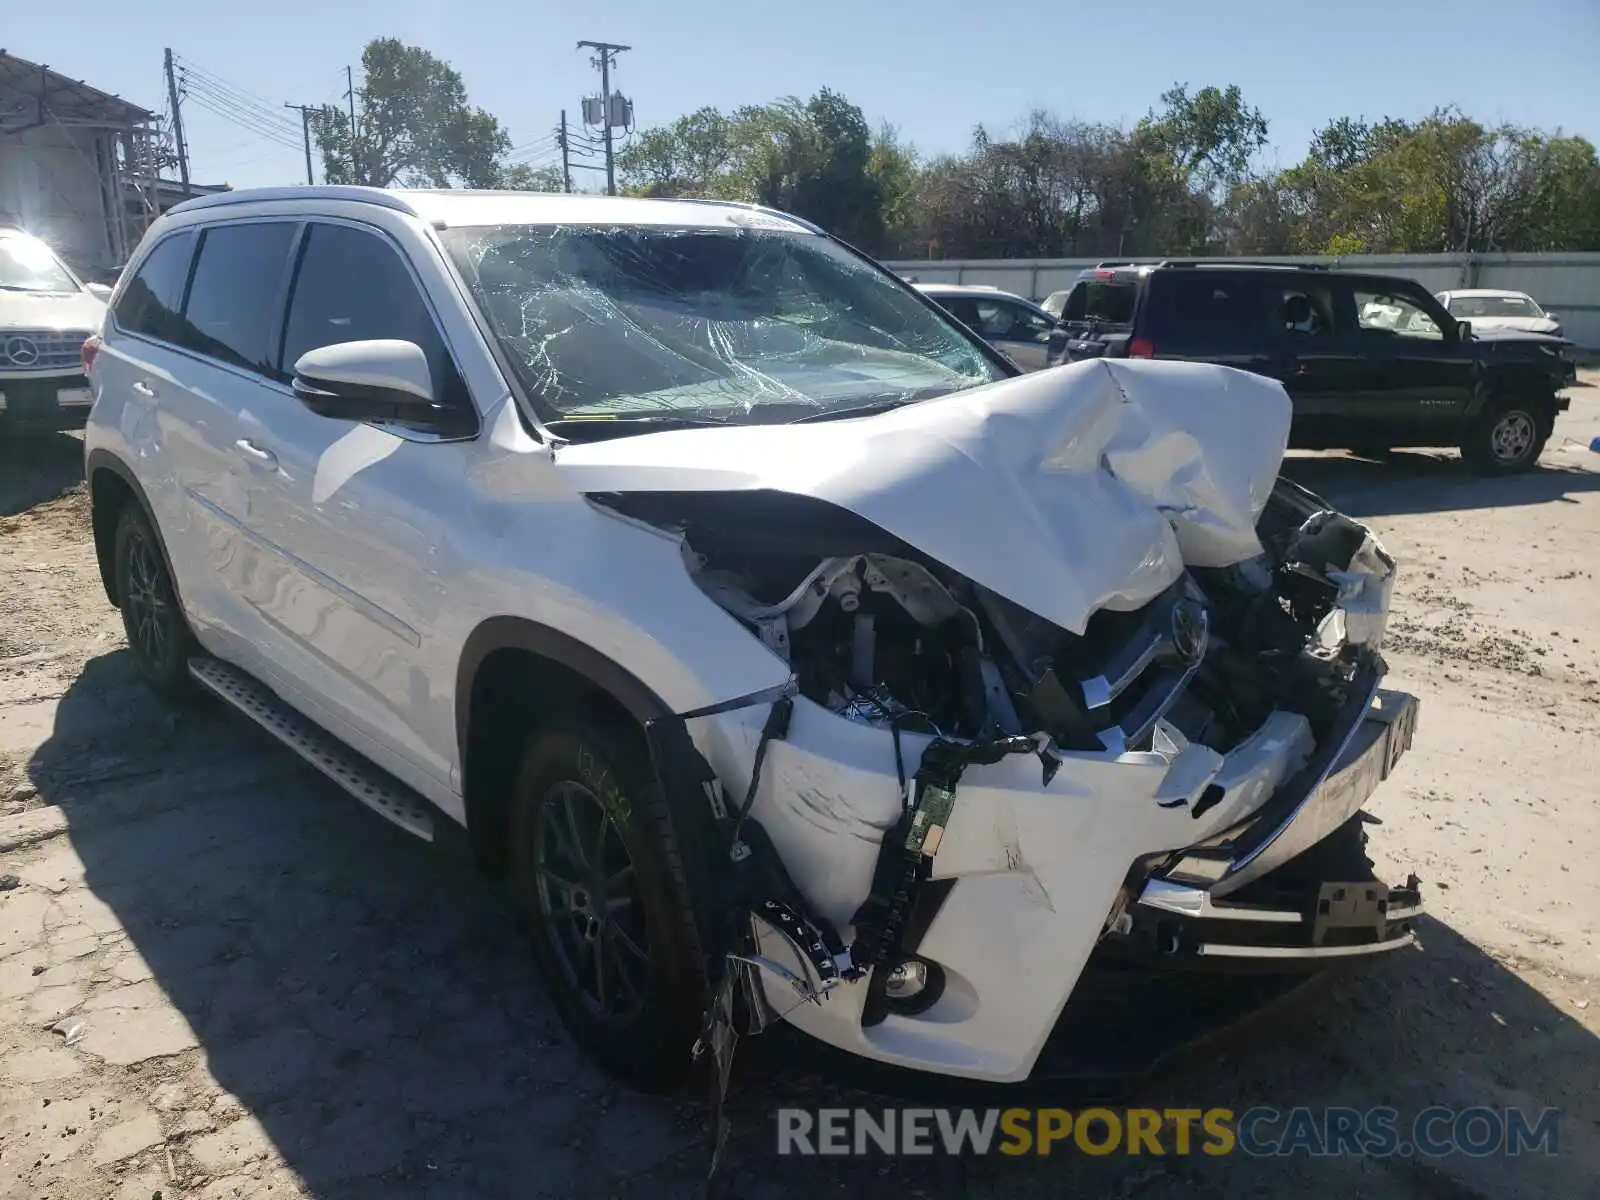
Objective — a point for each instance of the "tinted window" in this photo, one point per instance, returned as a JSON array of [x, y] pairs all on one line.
[[351, 287], [961, 309], [1107, 301], [153, 298], [233, 299], [1206, 304]]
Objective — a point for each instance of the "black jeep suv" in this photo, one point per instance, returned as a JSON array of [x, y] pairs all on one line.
[[1370, 362]]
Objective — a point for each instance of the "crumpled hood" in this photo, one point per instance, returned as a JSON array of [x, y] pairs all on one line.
[[1517, 324], [1082, 487], [76, 311]]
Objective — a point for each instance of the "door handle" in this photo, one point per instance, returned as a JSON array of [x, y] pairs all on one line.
[[263, 458], [144, 389]]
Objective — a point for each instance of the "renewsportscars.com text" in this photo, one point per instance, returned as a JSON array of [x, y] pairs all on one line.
[[1261, 1131]]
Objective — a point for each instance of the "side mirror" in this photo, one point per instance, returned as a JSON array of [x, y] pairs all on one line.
[[378, 380], [98, 290], [1464, 330], [1550, 316]]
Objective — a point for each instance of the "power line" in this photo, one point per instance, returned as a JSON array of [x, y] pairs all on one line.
[[243, 119], [233, 97]]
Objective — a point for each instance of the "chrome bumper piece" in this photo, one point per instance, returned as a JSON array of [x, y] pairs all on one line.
[[1342, 920], [1234, 900], [1372, 745]]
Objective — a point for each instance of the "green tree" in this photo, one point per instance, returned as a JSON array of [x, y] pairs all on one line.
[[1210, 136], [414, 126], [524, 178]]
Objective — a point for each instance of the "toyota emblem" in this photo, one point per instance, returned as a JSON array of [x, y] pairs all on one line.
[[23, 352], [1191, 630]]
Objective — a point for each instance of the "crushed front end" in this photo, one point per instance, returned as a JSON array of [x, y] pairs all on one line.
[[917, 846]]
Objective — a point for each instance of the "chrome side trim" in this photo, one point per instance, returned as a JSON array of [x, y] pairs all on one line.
[[1193, 902], [1215, 950]]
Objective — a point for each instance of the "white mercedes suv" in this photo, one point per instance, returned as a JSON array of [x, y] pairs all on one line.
[[46, 315], [771, 633]]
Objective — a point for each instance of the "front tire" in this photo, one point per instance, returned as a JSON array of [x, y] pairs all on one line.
[[597, 881], [158, 634], [1506, 438]]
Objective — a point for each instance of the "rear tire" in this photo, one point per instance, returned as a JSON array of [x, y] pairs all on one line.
[[596, 879], [1507, 437], [158, 634]]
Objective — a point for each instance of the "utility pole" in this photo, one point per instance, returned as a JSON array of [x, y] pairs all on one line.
[[350, 93], [566, 161], [606, 55], [177, 124], [305, 134]]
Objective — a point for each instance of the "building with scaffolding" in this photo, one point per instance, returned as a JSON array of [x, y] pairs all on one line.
[[79, 167]]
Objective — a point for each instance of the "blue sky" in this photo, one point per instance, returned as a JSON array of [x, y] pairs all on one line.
[[935, 69]]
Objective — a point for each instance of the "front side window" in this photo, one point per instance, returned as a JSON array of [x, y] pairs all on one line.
[[1304, 310], [152, 303], [711, 324], [352, 286], [1384, 312], [232, 307]]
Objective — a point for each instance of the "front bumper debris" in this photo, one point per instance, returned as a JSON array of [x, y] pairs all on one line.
[[1310, 808], [1179, 926]]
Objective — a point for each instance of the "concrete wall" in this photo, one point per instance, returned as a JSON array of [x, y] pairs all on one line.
[[50, 183], [1567, 284]]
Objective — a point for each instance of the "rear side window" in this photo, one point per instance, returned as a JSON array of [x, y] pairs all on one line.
[[151, 303], [1108, 301], [233, 300], [352, 286], [1206, 305]]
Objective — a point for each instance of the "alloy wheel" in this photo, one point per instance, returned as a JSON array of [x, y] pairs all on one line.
[[588, 893], [148, 603]]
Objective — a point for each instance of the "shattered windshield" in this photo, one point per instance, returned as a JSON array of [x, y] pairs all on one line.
[[715, 324], [27, 265]]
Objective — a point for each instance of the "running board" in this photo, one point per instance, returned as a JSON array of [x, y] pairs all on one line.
[[366, 782]]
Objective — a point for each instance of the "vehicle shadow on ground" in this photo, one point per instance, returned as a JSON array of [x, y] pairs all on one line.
[[367, 1000], [1420, 481], [37, 468]]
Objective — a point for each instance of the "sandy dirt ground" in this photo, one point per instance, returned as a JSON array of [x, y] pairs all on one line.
[[219, 977]]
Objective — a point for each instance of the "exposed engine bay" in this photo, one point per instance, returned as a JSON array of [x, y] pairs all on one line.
[[883, 635]]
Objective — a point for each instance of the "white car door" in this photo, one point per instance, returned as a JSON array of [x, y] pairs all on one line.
[[200, 313], [356, 517]]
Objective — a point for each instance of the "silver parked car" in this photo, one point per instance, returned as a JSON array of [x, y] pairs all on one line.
[[1017, 328]]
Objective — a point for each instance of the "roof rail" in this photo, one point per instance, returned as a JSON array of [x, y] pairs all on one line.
[[745, 204], [361, 195], [1195, 263]]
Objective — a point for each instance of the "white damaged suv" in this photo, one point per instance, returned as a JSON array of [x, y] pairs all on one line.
[[778, 641]]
